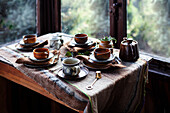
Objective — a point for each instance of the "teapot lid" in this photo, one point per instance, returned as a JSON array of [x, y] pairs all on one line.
[[127, 41]]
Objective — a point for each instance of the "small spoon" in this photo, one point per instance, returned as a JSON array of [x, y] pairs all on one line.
[[98, 76]]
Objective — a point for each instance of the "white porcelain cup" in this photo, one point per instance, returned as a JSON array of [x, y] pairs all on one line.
[[71, 66]]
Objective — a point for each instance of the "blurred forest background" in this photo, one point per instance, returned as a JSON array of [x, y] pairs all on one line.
[[86, 16], [17, 18], [149, 24], [148, 21]]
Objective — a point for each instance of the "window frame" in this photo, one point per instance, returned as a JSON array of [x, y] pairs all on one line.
[[48, 16], [118, 23]]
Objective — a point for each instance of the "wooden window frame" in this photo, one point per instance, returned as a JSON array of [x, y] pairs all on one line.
[[48, 16], [118, 23]]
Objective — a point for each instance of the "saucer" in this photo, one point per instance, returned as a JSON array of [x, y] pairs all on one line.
[[83, 73], [29, 44], [21, 48], [102, 61], [40, 66], [31, 57], [95, 67], [88, 43]]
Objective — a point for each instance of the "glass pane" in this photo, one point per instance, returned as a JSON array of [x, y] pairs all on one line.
[[17, 18], [149, 24], [85, 16]]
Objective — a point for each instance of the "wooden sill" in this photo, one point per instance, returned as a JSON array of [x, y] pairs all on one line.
[[158, 64]]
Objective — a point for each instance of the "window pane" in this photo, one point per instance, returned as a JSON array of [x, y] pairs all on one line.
[[17, 18], [149, 24], [86, 16]]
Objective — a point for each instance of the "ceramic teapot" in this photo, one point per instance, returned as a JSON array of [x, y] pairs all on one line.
[[56, 42], [129, 50]]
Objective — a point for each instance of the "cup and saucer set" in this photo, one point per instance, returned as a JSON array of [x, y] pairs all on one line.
[[99, 59], [81, 41], [72, 70], [41, 58], [30, 42]]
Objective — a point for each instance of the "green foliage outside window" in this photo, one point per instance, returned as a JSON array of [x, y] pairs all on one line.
[[17, 18], [149, 24], [86, 16], [148, 21]]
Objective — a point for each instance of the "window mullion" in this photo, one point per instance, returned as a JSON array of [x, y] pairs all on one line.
[[118, 24], [48, 16]]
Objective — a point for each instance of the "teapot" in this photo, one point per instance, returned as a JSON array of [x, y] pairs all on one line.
[[129, 50], [56, 42]]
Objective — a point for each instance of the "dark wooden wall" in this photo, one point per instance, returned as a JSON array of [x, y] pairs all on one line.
[[157, 98], [15, 98]]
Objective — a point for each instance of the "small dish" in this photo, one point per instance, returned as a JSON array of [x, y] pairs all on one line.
[[21, 48], [92, 57], [88, 43], [28, 44], [95, 67], [41, 66], [31, 57], [83, 73]]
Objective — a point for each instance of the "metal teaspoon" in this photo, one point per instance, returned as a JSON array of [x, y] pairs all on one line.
[[98, 76]]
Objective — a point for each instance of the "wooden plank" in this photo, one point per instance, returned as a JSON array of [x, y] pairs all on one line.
[[48, 16], [121, 22], [16, 76], [5, 92]]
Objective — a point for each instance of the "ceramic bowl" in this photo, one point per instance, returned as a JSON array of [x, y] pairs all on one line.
[[41, 53], [102, 53], [81, 38], [28, 39]]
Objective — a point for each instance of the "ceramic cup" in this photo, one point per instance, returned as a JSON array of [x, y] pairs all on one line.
[[71, 66], [28, 39], [41, 53], [81, 38], [102, 53]]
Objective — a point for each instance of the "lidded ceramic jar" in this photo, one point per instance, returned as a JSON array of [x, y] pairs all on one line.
[[129, 50]]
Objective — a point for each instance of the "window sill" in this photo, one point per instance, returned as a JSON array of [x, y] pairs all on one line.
[[159, 65]]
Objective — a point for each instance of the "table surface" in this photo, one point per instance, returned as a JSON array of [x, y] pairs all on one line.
[[121, 88]]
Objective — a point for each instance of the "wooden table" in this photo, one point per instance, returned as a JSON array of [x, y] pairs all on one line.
[[11, 73]]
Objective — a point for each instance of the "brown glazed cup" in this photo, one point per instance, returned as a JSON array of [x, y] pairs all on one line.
[[41, 53], [102, 53], [28, 39], [81, 38]]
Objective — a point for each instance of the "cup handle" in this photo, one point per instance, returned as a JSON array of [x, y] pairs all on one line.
[[77, 69]]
